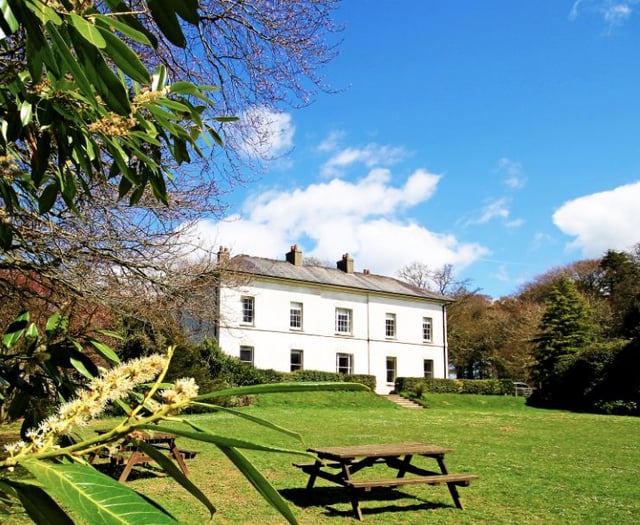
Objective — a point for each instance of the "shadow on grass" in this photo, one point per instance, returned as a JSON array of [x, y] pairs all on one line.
[[328, 497], [138, 472]]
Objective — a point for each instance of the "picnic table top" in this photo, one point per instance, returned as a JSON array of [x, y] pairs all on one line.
[[380, 450]]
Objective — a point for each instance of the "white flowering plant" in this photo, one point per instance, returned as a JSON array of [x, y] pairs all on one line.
[[57, 483]]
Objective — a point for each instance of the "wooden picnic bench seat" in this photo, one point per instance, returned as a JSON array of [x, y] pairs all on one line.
[[461, 480]]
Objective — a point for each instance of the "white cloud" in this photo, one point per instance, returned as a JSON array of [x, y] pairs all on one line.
[[497, 209], [332, 141], [371, 155], [613, 12], [602, 221], [331, 218], [265, 134], [513, 173]]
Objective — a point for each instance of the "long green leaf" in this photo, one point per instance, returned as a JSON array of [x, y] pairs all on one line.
[[40, 507], [170, 468], [249, 417], [10, 23], [124, 57], [88, 31], [280, 388], [15, 330], [104, 350], [260, 483], [108, 22], [221, 441], [95, 497], [164, 14]]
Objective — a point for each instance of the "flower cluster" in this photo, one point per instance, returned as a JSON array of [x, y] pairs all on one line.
[[183, 390], [113, 125], [112, 385]]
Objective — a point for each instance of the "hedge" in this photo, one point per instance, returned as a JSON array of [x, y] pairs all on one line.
[[420, 385]]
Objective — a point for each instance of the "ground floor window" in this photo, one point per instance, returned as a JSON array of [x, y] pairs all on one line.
[[296, 360], [428, 368], [344, 363], [246, 355], [391, 369]]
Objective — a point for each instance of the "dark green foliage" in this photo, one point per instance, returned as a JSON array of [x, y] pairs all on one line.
[[565, 329], [417, 386], [621, 287]]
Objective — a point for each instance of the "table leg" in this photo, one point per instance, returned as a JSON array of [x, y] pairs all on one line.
[[405, 465], [177, 455], [453, 490], [314, 474], [133, 459]]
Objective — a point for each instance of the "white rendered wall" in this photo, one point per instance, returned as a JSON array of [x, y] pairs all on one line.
[[273, 339]]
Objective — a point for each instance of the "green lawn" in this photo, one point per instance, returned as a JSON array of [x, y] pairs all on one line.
[[535, 466]]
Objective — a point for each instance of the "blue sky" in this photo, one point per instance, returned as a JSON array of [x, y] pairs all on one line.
[[501, 137]]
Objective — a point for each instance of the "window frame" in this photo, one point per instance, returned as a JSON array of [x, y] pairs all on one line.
[[393, 369], [428, 374], [251, 350], [348, 367], [296, 306], [293, 367], [390, 326], [427, 321], [346, 313], [248, 315]]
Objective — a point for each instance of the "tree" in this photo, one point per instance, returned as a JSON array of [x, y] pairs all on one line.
[[440, 280], [147, 172], [566, 328], [620, 286]]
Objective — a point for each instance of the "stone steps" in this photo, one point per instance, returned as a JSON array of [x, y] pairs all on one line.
[[402, 401]]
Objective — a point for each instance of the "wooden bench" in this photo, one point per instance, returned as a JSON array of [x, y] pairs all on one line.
[[460, 480]]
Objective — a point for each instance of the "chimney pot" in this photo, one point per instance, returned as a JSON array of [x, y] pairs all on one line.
[[345, 264], [294, 256]]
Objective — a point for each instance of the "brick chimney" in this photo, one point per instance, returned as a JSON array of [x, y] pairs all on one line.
[[294, 256], [345, 264], [223, 255]]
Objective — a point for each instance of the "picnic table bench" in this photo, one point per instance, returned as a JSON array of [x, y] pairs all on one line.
[[130, 455], [339, 464]]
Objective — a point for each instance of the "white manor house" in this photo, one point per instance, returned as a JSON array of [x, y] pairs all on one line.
[[287, 316]]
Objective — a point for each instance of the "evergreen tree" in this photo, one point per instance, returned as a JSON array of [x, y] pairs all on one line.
[[565, 329]]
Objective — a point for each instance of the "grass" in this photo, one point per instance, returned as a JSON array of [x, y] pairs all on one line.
[[535, 466]]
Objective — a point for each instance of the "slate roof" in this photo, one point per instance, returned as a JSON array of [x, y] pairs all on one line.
[[276, 269]]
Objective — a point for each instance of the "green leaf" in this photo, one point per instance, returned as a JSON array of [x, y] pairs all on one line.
[[8, 22], [104, 350], [55, 323], [26, 113], [95, 497], [40, 507], [170, 468], [125, 58], [6, 235], [48, 198], [15, 330], [110, 22], [260, 483], [88, 31], [159, 78], [187, 10], [164, 14], [280, 388]]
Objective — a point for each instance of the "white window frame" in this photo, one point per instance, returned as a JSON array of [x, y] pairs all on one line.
[[248, 313], [427, 329], [390, 326], [427, 368], [295, 315], [344, 321], [392, 369], [299, 365], [342, 368], [251, 350]]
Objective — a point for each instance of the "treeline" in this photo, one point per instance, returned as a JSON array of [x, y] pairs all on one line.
[[573, 333]]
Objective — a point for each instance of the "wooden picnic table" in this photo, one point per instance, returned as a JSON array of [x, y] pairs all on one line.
[[339, 464], [131, 455]]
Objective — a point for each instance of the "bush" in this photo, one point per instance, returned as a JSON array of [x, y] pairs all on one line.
[[417, 386]]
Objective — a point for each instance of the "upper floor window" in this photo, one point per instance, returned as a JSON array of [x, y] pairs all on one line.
[[344, 363], [246, 355], [295, 316], [390, 325], [296, 360], [343, 320], [427, 329], [248, 309]]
